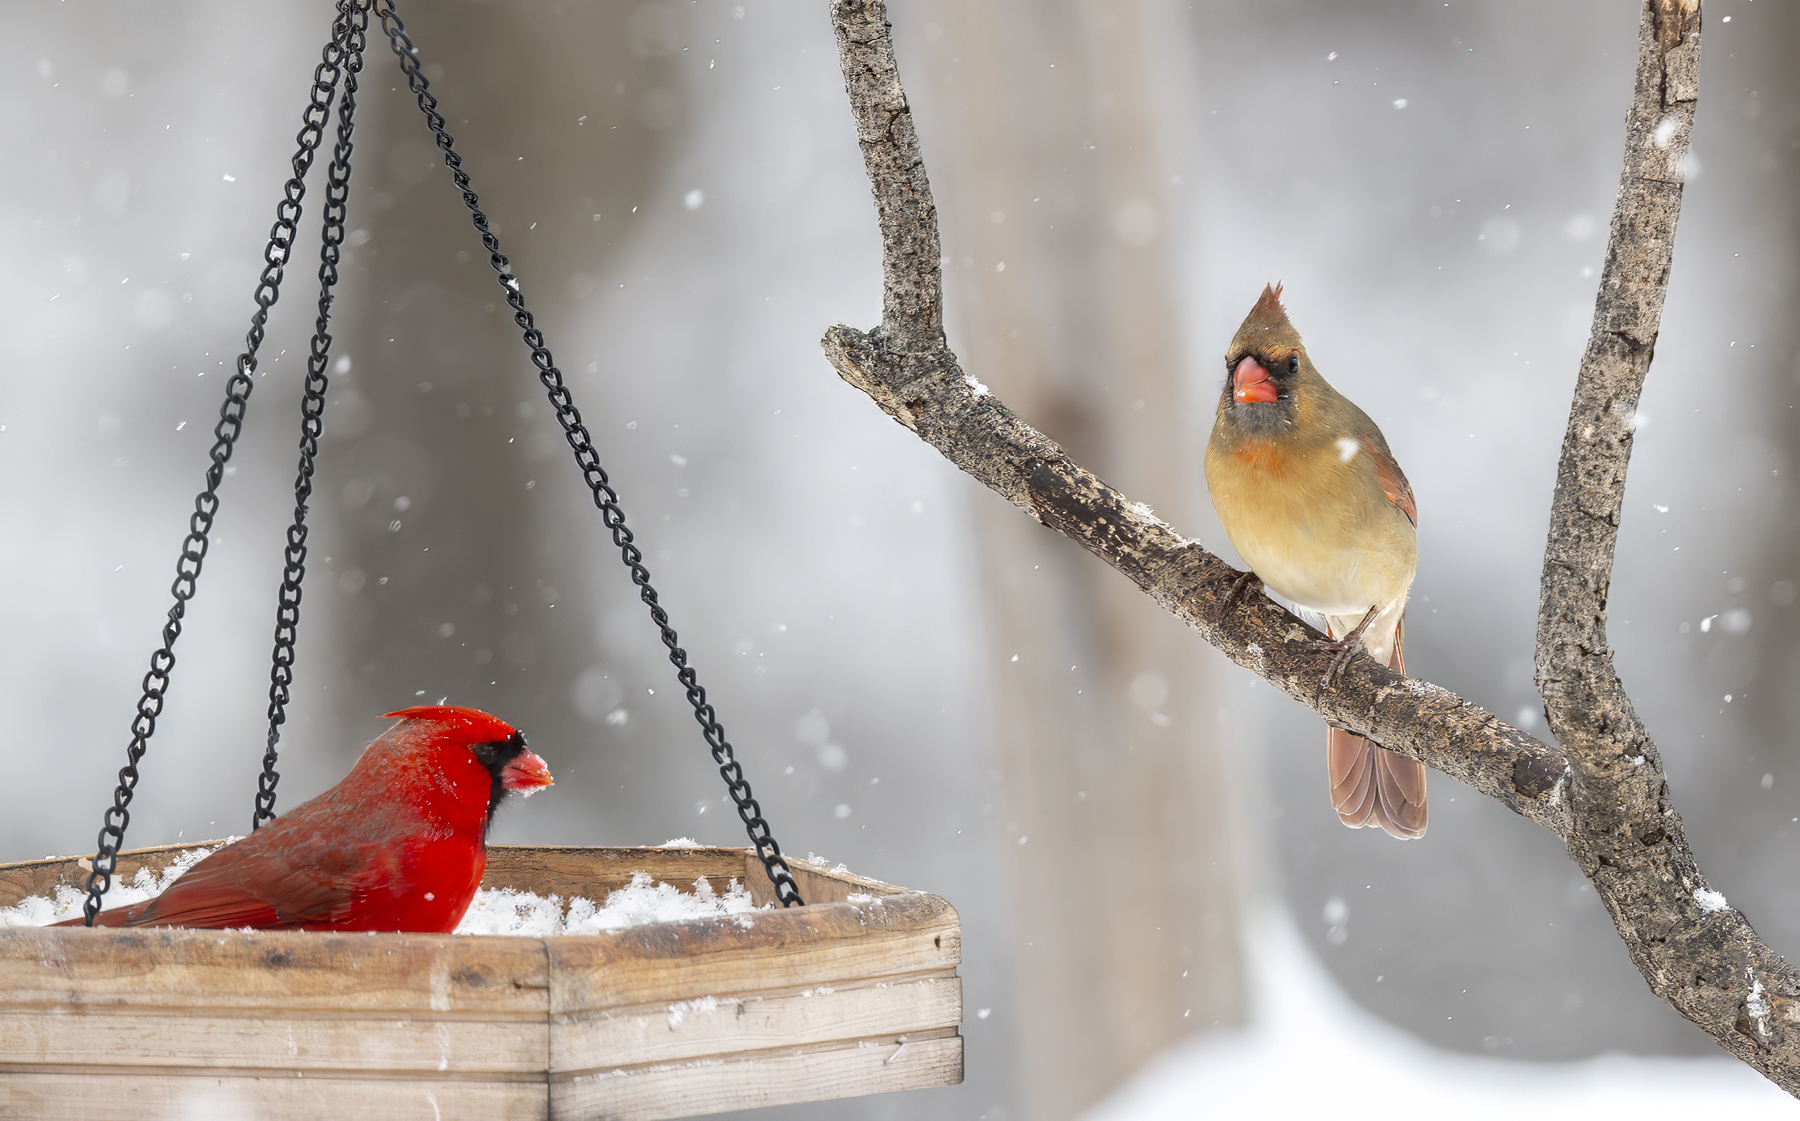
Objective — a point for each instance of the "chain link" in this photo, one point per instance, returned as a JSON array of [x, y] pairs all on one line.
[[605, 498], [225, 435], [312, 412]]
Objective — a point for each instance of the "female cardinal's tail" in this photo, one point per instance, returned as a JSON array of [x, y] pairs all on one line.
[[1371, 785]]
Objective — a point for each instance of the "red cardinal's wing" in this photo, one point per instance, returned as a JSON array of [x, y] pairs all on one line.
[[1392, 479], [265, 891], [276, 879]]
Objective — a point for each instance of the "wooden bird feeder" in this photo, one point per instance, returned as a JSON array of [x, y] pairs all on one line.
[[854, 993]]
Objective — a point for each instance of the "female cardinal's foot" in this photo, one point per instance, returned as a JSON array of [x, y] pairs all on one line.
[[1236, 594], [1346, 647]]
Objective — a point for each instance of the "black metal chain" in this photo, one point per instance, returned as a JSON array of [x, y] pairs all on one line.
[[225, 435], [312, 411], [605, 498]]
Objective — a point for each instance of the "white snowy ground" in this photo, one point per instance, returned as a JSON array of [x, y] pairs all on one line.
[[1307, 1041]]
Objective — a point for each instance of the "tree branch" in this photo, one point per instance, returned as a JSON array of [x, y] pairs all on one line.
[[1699, 955], [906, 367], [1707, 964]]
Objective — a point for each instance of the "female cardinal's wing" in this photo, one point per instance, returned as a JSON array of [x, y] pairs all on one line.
[[1392, 479]]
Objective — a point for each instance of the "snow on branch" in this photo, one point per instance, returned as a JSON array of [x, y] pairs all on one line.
[[1608, 798]]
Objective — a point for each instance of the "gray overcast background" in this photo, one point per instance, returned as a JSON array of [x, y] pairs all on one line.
[[679, 188]]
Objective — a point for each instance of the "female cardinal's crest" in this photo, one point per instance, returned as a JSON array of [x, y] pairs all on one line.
[[1266, 328], [1268, 314]]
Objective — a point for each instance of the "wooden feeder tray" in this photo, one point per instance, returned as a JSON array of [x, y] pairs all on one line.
[[854, 993]]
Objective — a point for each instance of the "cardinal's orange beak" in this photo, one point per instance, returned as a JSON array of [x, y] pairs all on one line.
[[527, 773], [1250, 382]]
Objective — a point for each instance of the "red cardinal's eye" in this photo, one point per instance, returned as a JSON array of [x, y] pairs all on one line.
[[1293, 363]]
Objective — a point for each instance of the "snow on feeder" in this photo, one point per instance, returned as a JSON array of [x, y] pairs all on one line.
[[768, 1000]]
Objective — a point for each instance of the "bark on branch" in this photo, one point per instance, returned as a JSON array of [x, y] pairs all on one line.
[[1608, 800]]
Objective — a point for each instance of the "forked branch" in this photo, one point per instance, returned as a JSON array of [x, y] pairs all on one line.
[[1608, 798], [1699, 955]]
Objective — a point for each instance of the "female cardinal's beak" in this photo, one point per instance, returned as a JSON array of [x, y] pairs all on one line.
[[528, 774], [1250, 382]]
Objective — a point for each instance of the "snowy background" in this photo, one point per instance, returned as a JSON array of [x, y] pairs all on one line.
[[679, 189]]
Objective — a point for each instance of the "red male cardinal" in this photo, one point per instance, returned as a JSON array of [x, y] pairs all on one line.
[[1314, 502], [400, 844]]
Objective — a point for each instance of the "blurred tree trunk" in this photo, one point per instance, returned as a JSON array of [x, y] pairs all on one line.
[[438, 434], [1115, 802]]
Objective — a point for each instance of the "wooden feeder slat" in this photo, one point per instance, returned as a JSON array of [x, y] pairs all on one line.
[[690, 1089], [660, 1020], [900, 935], [290, 972], [180, 1038], [667, 1034], [148, 1097]]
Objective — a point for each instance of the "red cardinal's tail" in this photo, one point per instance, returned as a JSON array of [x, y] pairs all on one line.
[[1371, 785], [118, 916]]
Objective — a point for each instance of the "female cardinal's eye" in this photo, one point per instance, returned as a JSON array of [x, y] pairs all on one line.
[[1293, 363]]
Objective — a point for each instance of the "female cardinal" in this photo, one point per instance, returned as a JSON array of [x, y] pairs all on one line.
[[400, 844], [1315, 504]]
